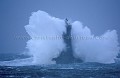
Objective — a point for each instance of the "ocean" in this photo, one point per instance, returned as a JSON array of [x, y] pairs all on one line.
[[76, 70]]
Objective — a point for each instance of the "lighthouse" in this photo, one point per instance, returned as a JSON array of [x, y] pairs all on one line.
[[66, 56]]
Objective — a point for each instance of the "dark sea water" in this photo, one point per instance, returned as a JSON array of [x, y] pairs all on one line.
[[82, 70], [78, 70]]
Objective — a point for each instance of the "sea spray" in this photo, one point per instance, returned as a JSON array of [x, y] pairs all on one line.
[[86, 46], [41, 24], [90, 48], [46, 42]]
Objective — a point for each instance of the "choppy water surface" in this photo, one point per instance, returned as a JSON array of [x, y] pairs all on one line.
[[82, 70]]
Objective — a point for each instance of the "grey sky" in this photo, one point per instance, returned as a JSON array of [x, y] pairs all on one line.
[[98, 15]]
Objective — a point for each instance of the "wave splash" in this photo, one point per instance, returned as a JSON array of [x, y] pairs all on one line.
[[47, 43]]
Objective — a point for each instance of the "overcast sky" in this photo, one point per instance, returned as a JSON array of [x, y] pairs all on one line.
[[98, 15]]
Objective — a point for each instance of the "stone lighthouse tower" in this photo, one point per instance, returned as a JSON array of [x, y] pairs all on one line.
[[66, 57]]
